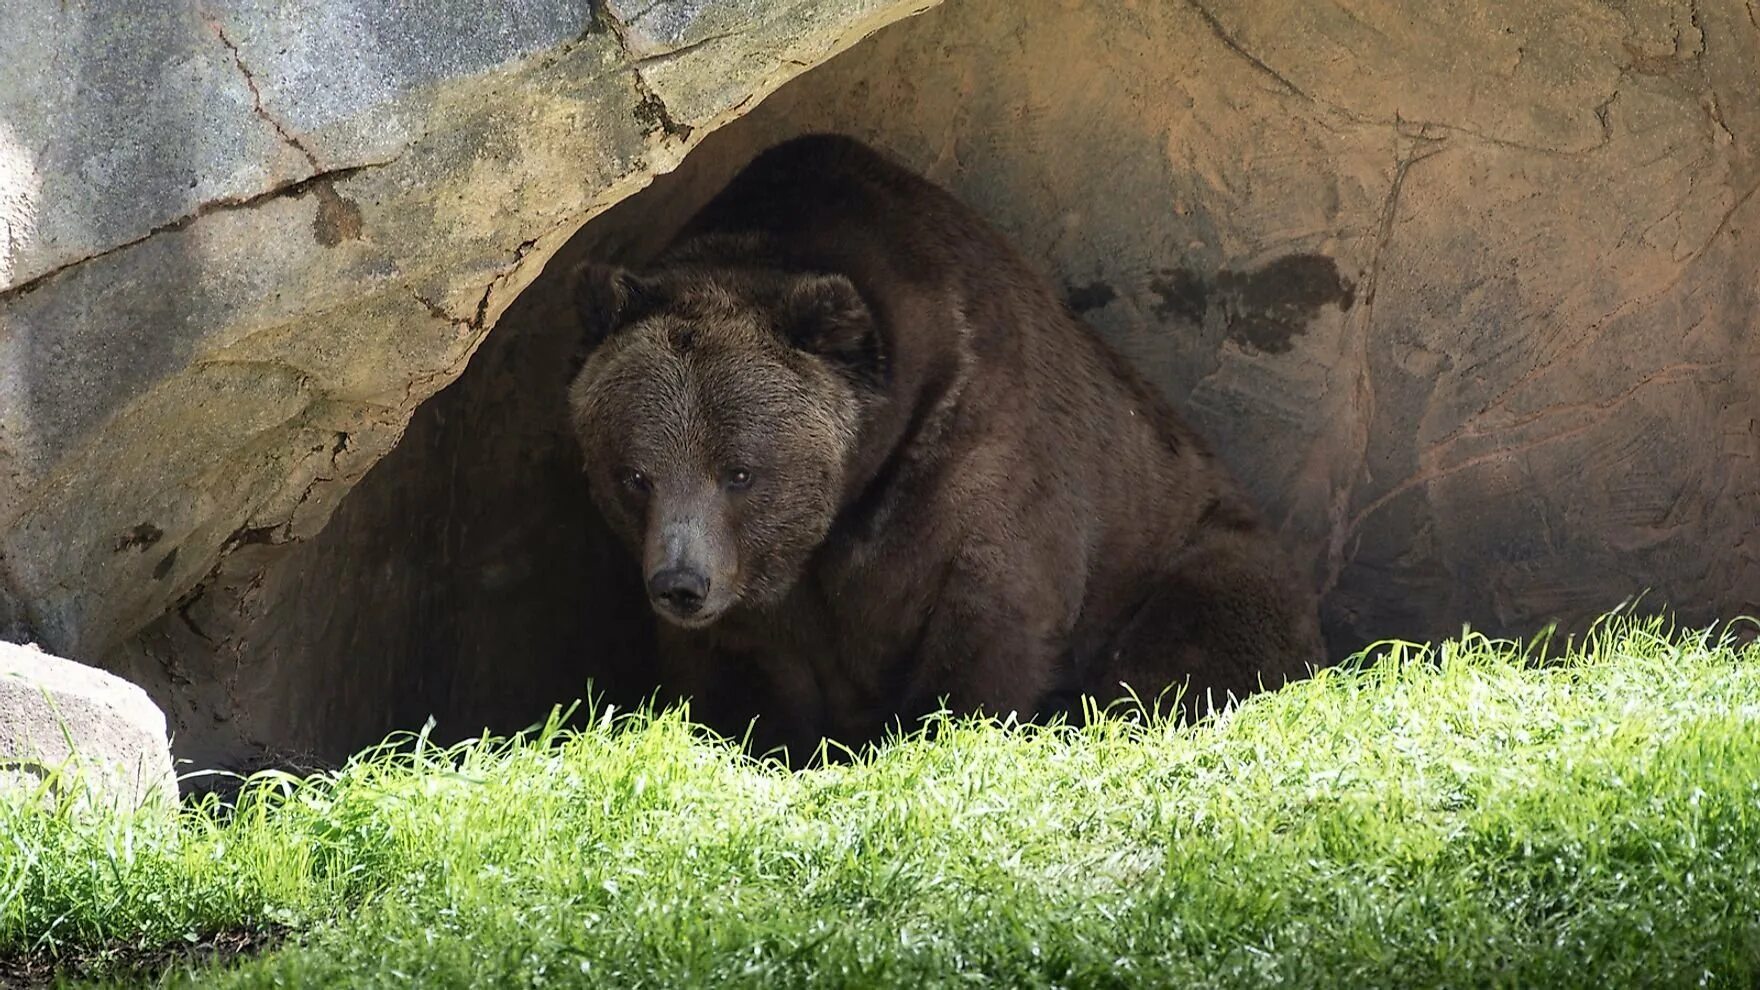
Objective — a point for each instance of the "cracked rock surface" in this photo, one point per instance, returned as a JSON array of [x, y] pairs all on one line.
[[1469, 295], [240, 242]]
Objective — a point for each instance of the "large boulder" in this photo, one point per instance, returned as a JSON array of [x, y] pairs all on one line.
[[241, 241], [84, 734]]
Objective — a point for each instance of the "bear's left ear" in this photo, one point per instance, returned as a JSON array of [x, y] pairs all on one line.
[[825, 315], [607, 298]]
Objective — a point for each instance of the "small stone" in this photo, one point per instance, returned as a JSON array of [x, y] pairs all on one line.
[[102, 733]]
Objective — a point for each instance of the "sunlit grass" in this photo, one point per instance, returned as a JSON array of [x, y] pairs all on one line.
[[1455, 816]]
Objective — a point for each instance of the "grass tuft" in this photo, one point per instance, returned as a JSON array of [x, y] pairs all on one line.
[[1479, 813]]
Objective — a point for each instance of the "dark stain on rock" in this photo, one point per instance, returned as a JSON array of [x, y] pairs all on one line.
[[597, 17], [652, 114], [140, 538], [1183, 294], [250, 536], [163, 567], [338, 218], [1264, 309], [1645, 64], [1082, 298]]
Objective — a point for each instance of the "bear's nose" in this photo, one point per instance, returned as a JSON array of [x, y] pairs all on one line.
[[679, 589]]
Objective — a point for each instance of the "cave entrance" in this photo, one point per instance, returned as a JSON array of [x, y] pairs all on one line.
[[1492, 371]]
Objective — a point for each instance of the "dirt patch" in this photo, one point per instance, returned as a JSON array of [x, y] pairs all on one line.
[[132, 964]]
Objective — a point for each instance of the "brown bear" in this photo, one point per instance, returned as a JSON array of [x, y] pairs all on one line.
[[872, 465]]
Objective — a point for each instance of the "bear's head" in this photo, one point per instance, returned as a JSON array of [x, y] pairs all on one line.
[[718, 411]]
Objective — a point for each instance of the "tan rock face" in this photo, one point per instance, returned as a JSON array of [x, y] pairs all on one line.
[[1466, 295]]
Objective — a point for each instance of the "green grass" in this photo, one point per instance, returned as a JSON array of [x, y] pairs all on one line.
[[1460, 816]]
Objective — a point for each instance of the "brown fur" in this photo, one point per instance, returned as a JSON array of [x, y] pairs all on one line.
[[956, 490]]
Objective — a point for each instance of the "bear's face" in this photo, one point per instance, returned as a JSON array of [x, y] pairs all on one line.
[[717, 413]]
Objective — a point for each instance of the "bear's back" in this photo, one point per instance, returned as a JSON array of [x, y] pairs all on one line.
[[829, 202]]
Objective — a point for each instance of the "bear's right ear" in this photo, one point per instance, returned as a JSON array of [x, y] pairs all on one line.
[[608, 297], [825, 315]]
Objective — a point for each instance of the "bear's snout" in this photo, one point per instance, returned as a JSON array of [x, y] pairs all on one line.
[[689, 563], [679, 590]]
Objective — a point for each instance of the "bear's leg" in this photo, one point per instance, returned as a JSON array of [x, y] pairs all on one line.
[[728, 690], [1225, 620], [789, 709], [986, 653]]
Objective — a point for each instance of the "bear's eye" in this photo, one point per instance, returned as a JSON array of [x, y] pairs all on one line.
[[635, 481], [738, 480]]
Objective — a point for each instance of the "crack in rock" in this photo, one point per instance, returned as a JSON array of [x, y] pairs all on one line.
[[257, 108], [1234, 45], [338, 219], [439, 312], [651, 109], [477, 320], [661, 58], [270, 534], [1363, 397], [315, 184], [1591, 332]]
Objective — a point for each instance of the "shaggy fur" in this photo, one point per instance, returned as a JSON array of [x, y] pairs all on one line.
[[899, 472]]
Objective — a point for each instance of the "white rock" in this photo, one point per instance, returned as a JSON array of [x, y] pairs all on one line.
[[103, 733]]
